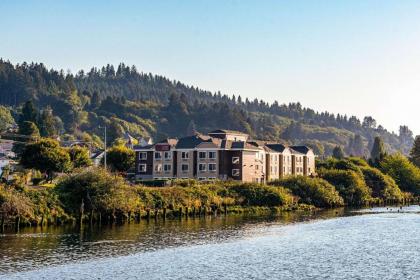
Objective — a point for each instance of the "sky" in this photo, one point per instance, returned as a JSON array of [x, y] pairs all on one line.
[[349, 57]]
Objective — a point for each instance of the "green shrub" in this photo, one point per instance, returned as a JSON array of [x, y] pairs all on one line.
[[382, 185], [260, 195], [405, 173], [350, 185], [314, 191], [98, 190]]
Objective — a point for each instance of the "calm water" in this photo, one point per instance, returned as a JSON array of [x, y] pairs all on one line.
[[368, 244]]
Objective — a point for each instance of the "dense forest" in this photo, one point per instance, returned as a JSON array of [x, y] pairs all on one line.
[[78, 106]]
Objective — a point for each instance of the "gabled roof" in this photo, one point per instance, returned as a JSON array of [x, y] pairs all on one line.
[[190, 142], [226, 131], [139, 147], [277, 147], [97, 154], [301, 149]]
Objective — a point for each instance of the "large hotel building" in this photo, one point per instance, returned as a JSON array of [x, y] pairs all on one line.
[[224, 155]]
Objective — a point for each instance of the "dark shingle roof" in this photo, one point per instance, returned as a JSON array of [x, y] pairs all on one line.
[[226, 131], [301, 149], [190, 142], [276, 147]]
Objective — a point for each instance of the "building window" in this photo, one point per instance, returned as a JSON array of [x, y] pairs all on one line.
[[212, 155], [158, 155], [212, 167], [184, 155], [167, 167], [235, 172], [167, 155], [142, 167], [235, 160], [158, 168], [271, 169], [211, 178], [202, 155], [284, 169], [201, 178], [142, 156], [202, 167], [184, 167]]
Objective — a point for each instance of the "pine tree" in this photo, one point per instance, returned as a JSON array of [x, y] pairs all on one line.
[[338, 152], [29, 113], [46, 123], [191, 129], [356, 146], [378, 151], [415, 152]]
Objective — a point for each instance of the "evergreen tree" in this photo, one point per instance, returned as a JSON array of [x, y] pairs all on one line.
[[79, 157], [46, 123], [191, 130], [95, 101], [415, 152], [378, 151], [338, 152], [29, 128], [46, 156], [356, 146], [29, 113], [6, 119]]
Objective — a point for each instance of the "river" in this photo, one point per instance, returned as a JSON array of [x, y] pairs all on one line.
[[378, 243]]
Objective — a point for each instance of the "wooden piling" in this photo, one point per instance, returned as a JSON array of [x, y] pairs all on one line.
[[148, 214], [156, 214]]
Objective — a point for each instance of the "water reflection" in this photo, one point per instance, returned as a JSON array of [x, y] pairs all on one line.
[[338, 243], [36, 247]]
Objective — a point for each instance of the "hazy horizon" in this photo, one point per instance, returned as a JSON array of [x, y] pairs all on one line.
[[355, 58]]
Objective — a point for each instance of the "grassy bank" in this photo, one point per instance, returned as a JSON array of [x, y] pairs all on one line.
[[94, 195]]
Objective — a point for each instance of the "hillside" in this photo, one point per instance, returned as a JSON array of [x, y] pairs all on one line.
[[142, 104]]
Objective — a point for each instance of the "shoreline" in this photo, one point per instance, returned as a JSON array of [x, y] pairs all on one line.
[[252, 212]]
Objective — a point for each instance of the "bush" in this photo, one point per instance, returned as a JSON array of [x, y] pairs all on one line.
[[260, 195], [382, 185], [15, 204], [99, 191], [314, 191], [405, 173], [349, 184], [340, 164]]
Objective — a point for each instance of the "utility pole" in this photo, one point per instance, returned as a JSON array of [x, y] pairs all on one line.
[[105, 146]]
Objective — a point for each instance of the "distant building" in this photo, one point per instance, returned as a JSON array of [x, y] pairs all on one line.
[[145, 141], [96, 157], [222, 154]]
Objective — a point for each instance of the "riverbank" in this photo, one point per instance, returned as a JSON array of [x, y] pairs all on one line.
[[96, 196]]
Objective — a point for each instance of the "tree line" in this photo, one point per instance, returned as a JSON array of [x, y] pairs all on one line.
[[76, 106]]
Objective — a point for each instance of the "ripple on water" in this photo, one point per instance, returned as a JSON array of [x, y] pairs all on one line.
[[381, 245]]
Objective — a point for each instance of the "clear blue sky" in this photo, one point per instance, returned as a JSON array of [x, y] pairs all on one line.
[[350, 57]]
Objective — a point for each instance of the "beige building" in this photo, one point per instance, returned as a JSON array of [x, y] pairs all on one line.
[[222, 154]]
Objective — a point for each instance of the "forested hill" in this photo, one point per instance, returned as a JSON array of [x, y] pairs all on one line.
[[141, 104]]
